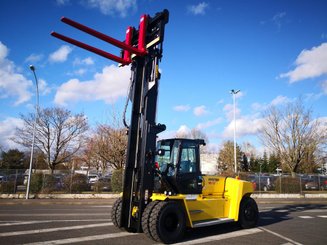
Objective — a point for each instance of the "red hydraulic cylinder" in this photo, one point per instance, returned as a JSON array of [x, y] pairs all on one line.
[[142, 32], [117, 43], [128, 41], [90, 48]]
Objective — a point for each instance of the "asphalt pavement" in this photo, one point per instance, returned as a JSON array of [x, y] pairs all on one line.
[[87, 221]]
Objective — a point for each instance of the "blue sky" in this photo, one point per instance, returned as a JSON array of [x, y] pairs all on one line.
[[273, 51]]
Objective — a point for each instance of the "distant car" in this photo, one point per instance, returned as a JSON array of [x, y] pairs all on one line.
[[263, 183], [105, 183], [316, 183], [92, 178], [3, 179]]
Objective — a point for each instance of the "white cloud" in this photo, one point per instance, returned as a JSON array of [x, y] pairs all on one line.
[[244, 126], [183, 130], [182, 108], [7, 131], [280, 100], [78, 72], [199, 9], [229, 109], [33, 58], [61, 54], [43, 87], [108, 86], [309, 64], [12, 83], [87, 61], [209, 123], [111, 7], [200, 111]]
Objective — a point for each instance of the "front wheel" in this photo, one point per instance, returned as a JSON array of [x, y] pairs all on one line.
[[248, 214], [116, 213], [167, 222]]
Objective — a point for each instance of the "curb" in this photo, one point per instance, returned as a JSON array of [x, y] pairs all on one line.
[[109, 196], [289, 196]]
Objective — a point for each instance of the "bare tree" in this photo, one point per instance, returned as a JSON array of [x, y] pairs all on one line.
[[59, 134], [110, 145], [89, 154], [195, 133], [291, 133]]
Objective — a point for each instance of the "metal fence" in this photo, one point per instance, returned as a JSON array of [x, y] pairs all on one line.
[[81, 181], [43, 181], [284, 183]]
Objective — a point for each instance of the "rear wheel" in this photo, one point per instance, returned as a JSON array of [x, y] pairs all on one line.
[[167, 222], [248, 214], [116, 213]]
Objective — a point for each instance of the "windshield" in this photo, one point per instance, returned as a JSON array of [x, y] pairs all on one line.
[[166, 158]]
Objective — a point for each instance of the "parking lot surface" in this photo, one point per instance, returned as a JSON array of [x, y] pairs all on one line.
[[88, 222]]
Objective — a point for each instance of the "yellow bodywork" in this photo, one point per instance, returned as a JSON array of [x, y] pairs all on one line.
[[220, 199]]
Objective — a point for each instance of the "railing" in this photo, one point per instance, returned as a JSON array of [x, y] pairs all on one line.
[[81, 181], [15, 181]]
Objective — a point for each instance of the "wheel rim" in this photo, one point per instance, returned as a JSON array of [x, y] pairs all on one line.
[[249, 212], [171, 222]]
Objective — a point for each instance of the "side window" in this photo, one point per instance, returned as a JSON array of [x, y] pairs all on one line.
[[188, 159]]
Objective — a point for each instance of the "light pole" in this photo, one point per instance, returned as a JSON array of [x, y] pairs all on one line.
[[234, 92], [33, 136]]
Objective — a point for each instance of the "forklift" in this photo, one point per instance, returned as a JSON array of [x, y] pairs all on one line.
[[164, 192]]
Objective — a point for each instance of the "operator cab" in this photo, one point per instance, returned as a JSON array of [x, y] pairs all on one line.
[[179, 165]]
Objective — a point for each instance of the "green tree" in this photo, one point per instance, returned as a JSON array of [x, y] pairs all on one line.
[[13, 159], [274, 163], [254, 164], [245, 163], [264, 163]]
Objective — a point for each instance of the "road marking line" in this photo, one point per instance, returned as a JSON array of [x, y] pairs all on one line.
[[306, 217], [281, 236], [222, 236], [102, 206], [18, 233], [315, 211], [23, 223], [83, 239], [322, 216], [282, 211], [10, 223]]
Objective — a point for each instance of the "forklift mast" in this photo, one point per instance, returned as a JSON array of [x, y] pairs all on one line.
[[142, 49]]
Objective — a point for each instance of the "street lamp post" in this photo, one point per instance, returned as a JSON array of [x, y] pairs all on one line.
[[33, 136], [234, 92]]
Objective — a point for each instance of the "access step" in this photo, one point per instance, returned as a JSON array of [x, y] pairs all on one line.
[[203, 223]]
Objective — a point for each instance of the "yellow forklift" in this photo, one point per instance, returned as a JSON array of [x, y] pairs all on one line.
[[164, 192]]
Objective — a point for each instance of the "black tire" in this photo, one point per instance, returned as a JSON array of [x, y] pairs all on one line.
[[167, 222], [146, 218], [248, 214], [116, 213]]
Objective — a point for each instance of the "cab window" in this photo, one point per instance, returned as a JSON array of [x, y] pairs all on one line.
[[188, 159]]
